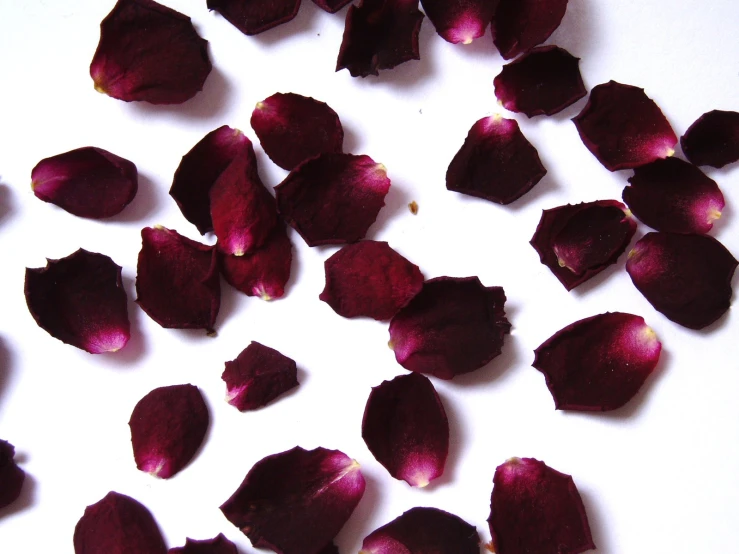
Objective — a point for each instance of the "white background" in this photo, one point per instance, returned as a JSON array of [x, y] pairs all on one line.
[[660, 475]]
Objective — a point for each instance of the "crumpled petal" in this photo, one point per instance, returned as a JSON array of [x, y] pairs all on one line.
[[453, 326], [11, 476], [331, 6], [519, 25], [80, 300], [252, 17], [217, 545], [149, 52], [297, 501], [496, 162], [461, 20], [685, 277], [713, 139]]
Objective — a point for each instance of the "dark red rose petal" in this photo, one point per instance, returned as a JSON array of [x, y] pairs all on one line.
[[544, 81], [453, 326], [519, 25], [461, 20], [496, 162], [535, 508], [578, 242], [331, 6], [330, 548], [674, 196], [379, 34], [252, 17], [177, 280], [11, 476], [623, 127], [117, 524], [713, 139], [296, 502], [87, 182], [149, 52], [80, 300], [218, 545], [200, 168], [686, 277], [334, 198]]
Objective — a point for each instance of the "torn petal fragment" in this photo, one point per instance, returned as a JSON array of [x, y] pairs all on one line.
[[713, 139], [218, 545], [252, 17], [331, 6], [297, 501], [11, 476], [519, 25], [460, 21]]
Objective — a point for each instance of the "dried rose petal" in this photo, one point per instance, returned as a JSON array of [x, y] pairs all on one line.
[[675, 196], [519, 25], [333, 198], [149, 52], [713, 139], [200, 168], [177, 280], [544, 81], [623, 127], [461, 20], [117, 524], [686, 277], [535, 508], [496, 162], [293, 128], [578, 242], [330, 548], [252, 17], [80, 300], [331, 6], [379, 34], [453, 326], [369, 279], [257, 376], [218, 545], [87, 182], [11, 476], [295, 502]]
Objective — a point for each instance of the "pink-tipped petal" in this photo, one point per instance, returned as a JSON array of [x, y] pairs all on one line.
[[80, 300], [11, 476], [252, 17], [331, 6], [519, 25], [713, 139], [297, 501], [461, 20], [217, 545]]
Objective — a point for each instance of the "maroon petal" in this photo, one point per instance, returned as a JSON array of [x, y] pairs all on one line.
[[461, 20], [519, 25], [535, 508], [623, 127], [80, 300], [257, 376], [578, 242], [87, 182], [331, 6], [11, 476], [334, 198], [713, 139], [252, 17], [379, 34], [544, 81], [149, 52], [117, 524], [686, 277], [296, 502], [330, 548], [453, 326], [218, 545], [496, 162], [200, 168], [177, 280], [294, 128], [675, 196]]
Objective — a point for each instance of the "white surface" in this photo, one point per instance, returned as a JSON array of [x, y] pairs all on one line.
[[660, 475]]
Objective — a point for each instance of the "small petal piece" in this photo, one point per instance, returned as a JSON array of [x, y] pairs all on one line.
[[149, 52], [218, 545], [713, 139], [80, 300], [461, 20], [686, 277], [496, 162], [296, 502], [453, 326], [331, 6], [519, 25], [11, 476], [252, 17], [334, 198], [623, 127], [674, 196], [535, 508]]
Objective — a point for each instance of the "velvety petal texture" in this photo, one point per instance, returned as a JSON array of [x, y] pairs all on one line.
[[686, 277], [297, 501], [713, 139], [331, 6], [453, 326], [149, 52], [252, 17], [11, 476], [519, 25], [80, 300], [496, 162], [218, 545], [461, 20]]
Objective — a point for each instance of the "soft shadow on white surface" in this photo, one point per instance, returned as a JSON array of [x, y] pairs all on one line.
[[145, 204], [396, 202], [27, 497], [137, 347], [457, 439], [356, 528], [597, 525], [7, 368], [7, 202]]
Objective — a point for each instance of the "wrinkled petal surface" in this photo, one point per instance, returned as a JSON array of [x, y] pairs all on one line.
[[519, 25], [252, 17], [331, 6], [11, 476], [218, 545], [461, 20], [713, 139]]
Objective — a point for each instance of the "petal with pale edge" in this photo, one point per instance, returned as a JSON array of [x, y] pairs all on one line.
[[11, 476], [218, 545], [461, 20], [519, 25], [331, 6], [252, 17], [713, 139]]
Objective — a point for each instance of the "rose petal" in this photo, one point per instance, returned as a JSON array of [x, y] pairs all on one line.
[[453, 326], [177, 280], [257, 376], [686, 277], [675, 196], [333, 198], [149, 52], [218, 545], [331, 6], [623, 127], [296, 502], [535, 508], [713, 139], [252, 17], [80, 300], [330, 548], [379, 34], [11, 476], [461, 20], [496, 162], [519, 25]]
